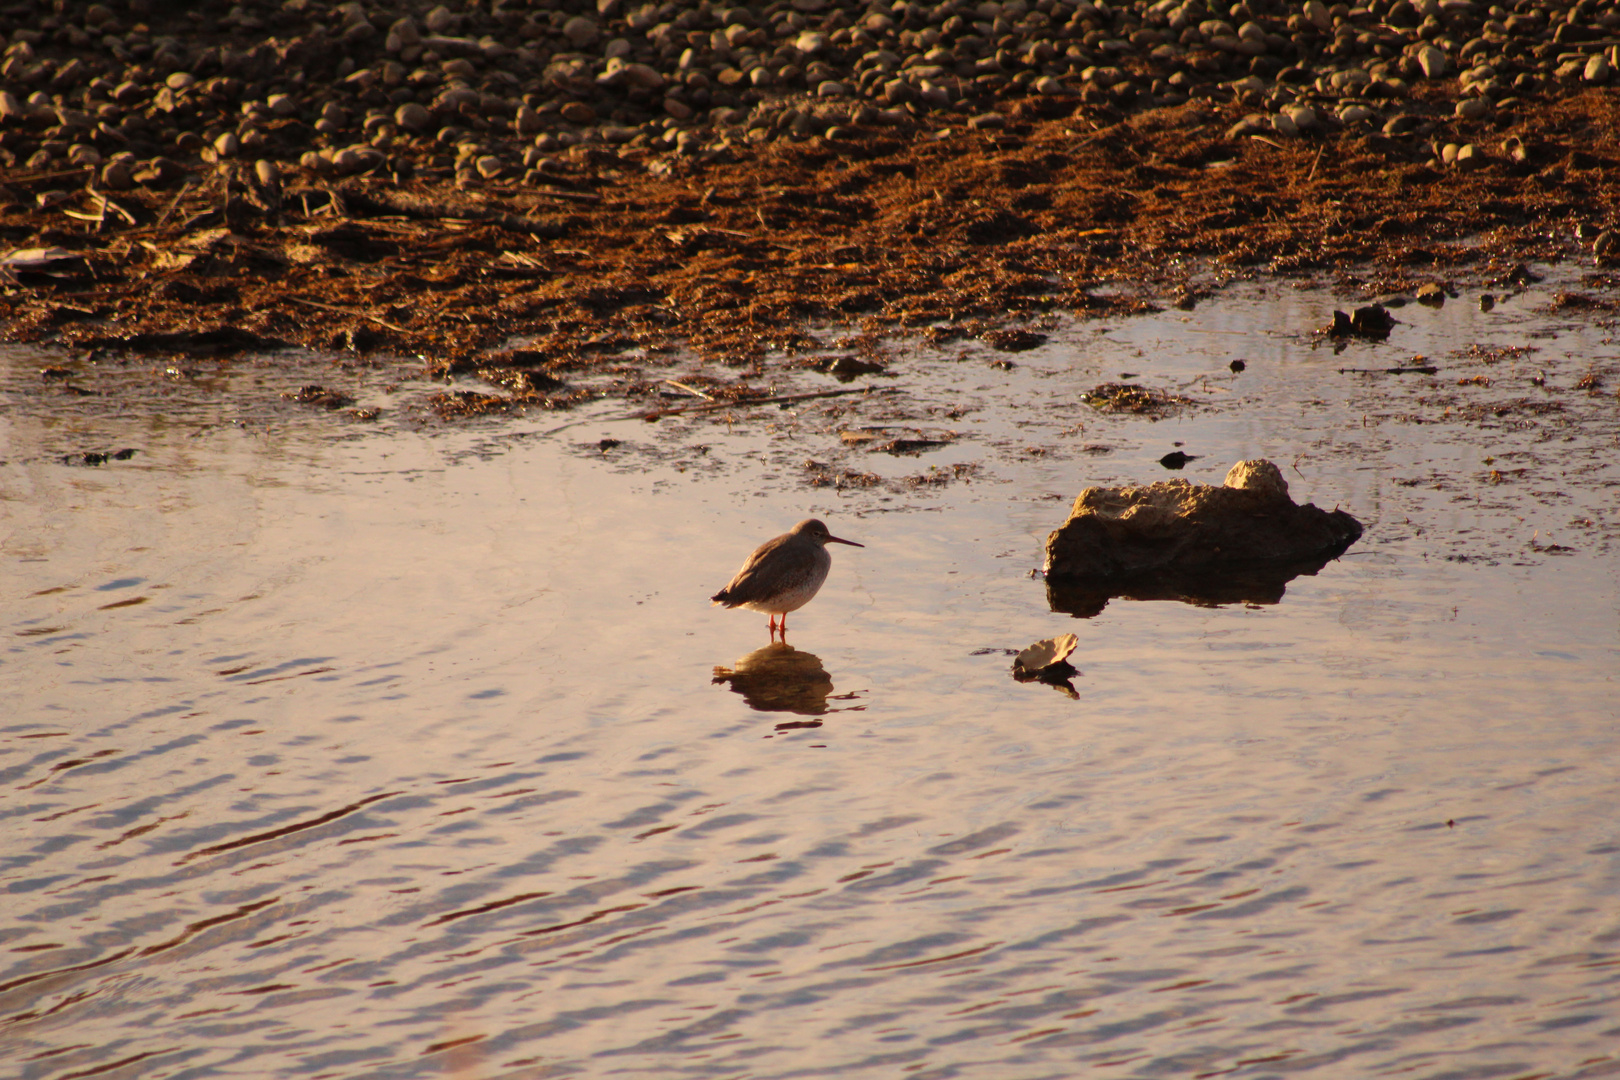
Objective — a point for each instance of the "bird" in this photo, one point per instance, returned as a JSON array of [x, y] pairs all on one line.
[[783, 574]]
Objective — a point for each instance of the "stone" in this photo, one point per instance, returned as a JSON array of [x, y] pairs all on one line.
[[1303, 116], [1253, 124], [1176, 527], [1473, 109], [83, 154], [527, 122], [1433, 62], [1356, 114], [1597, 69], [413, 117], [832, 88], [180, 80], [577, 112], [404, 32], [118, 176], [580, 31], [1470, 157], [439, 20], [1284, 125], [644, 76], [227, 145]]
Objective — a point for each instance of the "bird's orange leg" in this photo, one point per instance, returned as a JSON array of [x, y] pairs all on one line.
[[773, 627], [784, 628]]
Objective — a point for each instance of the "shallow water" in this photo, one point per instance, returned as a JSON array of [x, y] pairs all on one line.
[[390, 751]]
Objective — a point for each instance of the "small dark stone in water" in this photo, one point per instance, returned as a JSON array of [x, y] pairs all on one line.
[[845, 368], [125, 454], [607, 444], [1372, 322], [1431, 295], [1237, 365], [55, 372], [1486, 301], [1176, 459], [316, 394]]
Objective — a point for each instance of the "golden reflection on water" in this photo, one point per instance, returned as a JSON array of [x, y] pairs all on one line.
[[412, 761], [779, 678]]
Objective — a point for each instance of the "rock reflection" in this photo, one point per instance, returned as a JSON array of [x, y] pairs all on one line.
[[1253, 585], [780, 678]]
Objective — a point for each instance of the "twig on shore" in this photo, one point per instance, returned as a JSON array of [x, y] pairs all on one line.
[[176, 202], [689, 389], [348, 311], [1421, 369], [777, 399]]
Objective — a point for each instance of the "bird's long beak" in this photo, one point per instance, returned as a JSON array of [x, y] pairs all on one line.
[[835, 540]]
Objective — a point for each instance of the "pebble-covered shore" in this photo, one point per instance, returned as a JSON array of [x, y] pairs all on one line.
[[601, 181], [143, 89]]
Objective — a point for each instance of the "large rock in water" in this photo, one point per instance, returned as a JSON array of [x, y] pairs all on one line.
[[1186, 530]]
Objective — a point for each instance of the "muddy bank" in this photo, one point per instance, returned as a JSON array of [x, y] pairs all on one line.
[[410, 181]]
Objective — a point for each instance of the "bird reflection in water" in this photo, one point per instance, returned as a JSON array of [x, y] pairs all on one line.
[[780, 678]]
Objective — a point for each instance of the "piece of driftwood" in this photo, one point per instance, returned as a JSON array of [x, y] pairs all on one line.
[[354, 201]]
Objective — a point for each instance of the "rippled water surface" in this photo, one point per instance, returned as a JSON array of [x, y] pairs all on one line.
[[397, 750]]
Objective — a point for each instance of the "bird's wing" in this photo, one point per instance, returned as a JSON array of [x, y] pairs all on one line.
[[750, 583]]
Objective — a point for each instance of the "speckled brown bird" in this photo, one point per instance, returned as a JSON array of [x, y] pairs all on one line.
[[783, 574]]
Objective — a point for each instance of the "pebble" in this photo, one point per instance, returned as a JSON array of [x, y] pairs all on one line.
[[439, 20], [413, 117], [118, 176], [1253, 124], [580, 31], [1473, 109], [1303, 116]]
